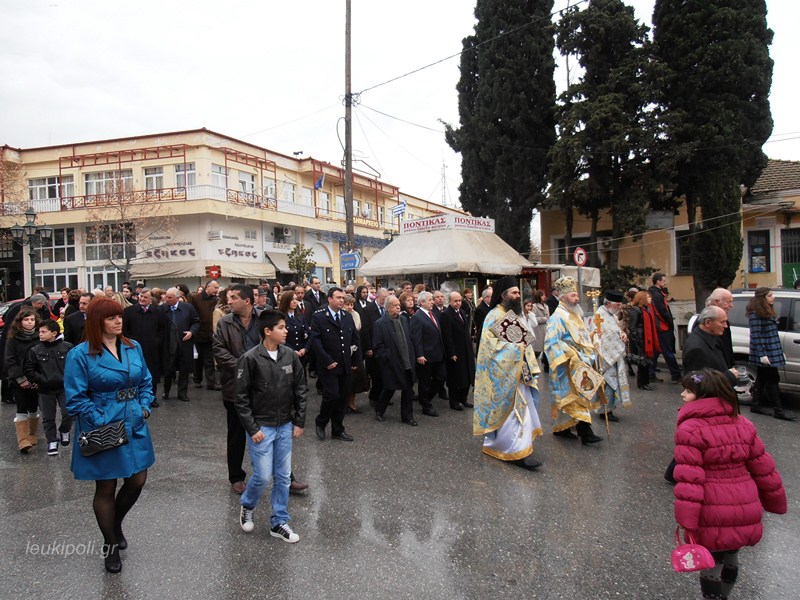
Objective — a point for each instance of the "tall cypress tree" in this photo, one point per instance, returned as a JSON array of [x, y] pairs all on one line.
[[716, 75], [601, 160], [506, 102]]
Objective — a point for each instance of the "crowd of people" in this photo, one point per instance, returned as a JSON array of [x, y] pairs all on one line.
[[98, 358]]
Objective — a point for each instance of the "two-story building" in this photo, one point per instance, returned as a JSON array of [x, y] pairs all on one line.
[[166, 207]]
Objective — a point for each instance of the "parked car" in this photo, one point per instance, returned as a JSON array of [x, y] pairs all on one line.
[[54, 297], [787, 308]]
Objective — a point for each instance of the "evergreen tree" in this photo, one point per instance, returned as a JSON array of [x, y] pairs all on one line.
[[601, 161], [715, 79], [506, 101]]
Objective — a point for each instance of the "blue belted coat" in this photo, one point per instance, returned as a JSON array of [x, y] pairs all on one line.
[[91, 384]]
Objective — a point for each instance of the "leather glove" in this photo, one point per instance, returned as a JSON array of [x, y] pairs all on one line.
[[764, 360]]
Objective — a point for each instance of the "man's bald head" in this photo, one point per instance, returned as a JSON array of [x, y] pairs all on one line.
[[722, 298]]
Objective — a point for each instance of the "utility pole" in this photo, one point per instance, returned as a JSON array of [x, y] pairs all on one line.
[[348, 142], [444, 185]]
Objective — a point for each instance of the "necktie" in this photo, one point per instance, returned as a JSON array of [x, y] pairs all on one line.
[[430, 314], [337, 319], [172, 312], [460, 317], [380, 310]]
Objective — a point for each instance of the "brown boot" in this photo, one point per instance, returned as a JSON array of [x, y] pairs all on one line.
[[22, 435], [33, 429]]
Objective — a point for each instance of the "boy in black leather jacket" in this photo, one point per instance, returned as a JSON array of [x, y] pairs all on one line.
[[45, 368], [271, 403]]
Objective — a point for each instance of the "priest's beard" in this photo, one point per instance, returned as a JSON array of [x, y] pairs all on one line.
[[514, 305], [574, 308]]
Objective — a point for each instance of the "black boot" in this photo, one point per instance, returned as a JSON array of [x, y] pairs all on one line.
[[586, 434], [112, 560], [758, 399], [775, 399]]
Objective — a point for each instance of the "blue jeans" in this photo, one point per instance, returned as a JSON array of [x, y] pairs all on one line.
[[271, 459]]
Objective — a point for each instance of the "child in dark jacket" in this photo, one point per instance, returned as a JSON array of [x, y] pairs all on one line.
[[22, 335], [271, 404], [725, 477], [44, 367]]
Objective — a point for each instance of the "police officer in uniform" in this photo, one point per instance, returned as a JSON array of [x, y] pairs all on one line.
[[335, 340]]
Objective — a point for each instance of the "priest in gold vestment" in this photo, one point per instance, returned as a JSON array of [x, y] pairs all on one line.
[[506, 396], [571, 354]]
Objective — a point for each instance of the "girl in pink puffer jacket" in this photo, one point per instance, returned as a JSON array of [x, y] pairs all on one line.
[[725, 477]]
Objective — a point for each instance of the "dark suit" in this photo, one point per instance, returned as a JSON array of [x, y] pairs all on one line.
[[312, 305], [297, 336], [147, 328], [178, 355], [460, 372], [332, 343], [703, 350], [394, 375], [370, 315], [73, 327], [480, 316], [427, 340], [552, 303]]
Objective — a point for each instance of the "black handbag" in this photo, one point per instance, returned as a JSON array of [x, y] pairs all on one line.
[[637, 359], [103, 438], [111, 435]]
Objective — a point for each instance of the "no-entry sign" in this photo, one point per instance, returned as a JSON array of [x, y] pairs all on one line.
[[579, 256]]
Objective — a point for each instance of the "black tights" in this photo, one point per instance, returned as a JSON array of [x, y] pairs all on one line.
[[110, 510]]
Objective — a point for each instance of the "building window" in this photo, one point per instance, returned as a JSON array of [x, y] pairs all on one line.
[[758, 258], [683, 253], [247, 182], [382, 215], [6, 246], [368, 211], [308, 197], [45, 188], [55, 279], [219, 176], [324, 203], [288, 192], [100, 277], [110, 242], [340, 206], [153, 178], [356, 208], [187, 177], [60, 248], [108, 182], [269, 188], [250, 235]]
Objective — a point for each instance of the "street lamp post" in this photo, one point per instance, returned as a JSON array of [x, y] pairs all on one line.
[[33, 236]]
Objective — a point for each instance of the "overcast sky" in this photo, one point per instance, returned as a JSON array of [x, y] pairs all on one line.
[[272, 73]]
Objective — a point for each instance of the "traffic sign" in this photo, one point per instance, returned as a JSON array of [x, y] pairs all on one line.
[[579, 256], [350, 260], [214, 271]]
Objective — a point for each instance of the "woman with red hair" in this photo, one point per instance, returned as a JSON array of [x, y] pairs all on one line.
[[106, 379], [643, 335]]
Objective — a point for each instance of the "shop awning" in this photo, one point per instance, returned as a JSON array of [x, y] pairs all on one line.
[[446, 251], [197, 268], [281, 262]]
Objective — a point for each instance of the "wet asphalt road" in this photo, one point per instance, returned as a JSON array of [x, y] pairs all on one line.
[[401, 512]]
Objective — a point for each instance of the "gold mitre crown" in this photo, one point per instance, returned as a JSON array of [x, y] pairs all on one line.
[[565, 285]]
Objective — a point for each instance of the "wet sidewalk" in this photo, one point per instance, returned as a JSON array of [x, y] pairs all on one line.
[[401, 512]]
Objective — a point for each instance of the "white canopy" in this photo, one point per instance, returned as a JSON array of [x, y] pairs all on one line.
[[446, 251]]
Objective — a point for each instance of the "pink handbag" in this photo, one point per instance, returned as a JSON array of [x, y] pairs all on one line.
[[690, 556]]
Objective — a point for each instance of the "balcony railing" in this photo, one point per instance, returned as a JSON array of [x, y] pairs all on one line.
[[182, 194]]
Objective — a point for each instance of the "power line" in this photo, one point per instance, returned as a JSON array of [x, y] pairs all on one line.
[[446, 58]]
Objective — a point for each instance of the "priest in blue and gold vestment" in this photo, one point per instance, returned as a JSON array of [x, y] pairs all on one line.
[[571, 354], [506, 395]]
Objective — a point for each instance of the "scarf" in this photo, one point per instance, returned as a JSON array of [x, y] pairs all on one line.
[[651, 346]]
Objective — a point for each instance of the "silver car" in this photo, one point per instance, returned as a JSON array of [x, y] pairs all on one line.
[[787, 307]]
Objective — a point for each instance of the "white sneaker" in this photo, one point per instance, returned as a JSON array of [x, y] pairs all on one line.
[[246, 519], [284, 532], [52, 448], [65, 438]]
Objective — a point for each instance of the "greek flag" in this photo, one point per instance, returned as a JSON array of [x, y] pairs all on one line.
[[399, 209]]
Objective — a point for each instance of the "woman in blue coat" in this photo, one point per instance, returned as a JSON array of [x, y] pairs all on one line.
[[106, 379], [766, 354]]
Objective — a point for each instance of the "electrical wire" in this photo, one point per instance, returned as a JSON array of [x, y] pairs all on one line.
[[497, 37], [321, 110]]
